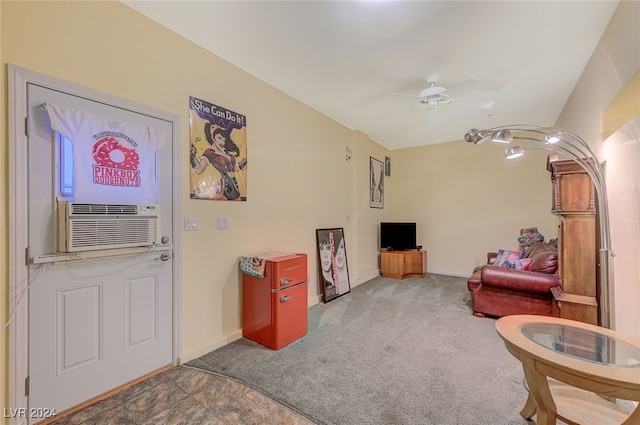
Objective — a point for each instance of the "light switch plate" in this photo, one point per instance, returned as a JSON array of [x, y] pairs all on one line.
[[190, 224], [223, 223]]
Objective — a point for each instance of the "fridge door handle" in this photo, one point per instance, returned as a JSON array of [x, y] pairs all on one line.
[[285, 298], [285, 282]]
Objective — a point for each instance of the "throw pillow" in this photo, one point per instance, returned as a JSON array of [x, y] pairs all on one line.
[[507, 258], [529, 236], [523, 263]]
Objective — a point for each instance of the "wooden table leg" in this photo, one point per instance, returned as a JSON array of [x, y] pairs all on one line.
[[529, 408], [539, 391]]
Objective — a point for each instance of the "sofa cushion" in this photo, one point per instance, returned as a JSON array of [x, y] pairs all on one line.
[[517, 280], [538, 247], [523, 264], [544, 257], [507, 258]]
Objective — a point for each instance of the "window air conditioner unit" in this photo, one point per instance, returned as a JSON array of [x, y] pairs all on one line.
[[86, 227]]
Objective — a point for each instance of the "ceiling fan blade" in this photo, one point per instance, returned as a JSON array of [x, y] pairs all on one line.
[[473, 103], [485, 104], [413, 96], [465, 85], [394, 114], [475, 84], [418, 105]]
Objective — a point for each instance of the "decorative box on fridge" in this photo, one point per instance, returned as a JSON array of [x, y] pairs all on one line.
[[274, 306]]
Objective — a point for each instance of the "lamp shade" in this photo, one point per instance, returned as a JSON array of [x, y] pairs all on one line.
[[514, 152], [502, 136]]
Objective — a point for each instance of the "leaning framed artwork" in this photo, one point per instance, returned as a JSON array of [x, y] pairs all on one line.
[[376, 183], [333, 271]]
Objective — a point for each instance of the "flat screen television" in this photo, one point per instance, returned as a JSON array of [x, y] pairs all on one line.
[[397, 236]]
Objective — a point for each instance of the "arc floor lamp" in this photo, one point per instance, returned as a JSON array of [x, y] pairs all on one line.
[[573, 147]]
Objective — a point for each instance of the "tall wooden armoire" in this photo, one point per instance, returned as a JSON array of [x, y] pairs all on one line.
[[574, 203]]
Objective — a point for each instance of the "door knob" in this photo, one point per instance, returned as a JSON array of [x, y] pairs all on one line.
[[165, 256]]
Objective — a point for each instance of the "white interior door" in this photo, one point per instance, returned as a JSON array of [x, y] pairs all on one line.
[[94, 323]]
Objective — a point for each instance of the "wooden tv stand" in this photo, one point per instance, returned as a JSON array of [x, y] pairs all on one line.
[[403, 264]]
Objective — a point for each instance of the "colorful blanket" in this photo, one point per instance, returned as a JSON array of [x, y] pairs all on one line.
[[254, 264]]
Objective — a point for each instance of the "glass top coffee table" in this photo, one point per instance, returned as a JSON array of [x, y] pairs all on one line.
[[583, 344], [574, 370]]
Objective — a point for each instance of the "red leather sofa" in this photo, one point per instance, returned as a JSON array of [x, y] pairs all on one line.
[[499, 291]]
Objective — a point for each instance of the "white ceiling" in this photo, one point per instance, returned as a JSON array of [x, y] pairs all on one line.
[[345, 58]]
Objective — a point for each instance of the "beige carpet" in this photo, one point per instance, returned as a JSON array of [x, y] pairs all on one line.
[[389, 352]]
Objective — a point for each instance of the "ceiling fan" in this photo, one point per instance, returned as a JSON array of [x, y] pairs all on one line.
[[435, 95]]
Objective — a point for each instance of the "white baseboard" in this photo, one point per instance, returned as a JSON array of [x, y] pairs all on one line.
[[316, 299], [366, 278], [209, 347]]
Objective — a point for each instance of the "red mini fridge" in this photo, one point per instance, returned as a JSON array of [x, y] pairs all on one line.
[[274, 307]]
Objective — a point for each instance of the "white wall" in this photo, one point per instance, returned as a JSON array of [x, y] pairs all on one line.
[[622, 152], [605, 100]]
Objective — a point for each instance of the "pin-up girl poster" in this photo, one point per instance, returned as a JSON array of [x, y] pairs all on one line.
[[333, 270], [217, 152]]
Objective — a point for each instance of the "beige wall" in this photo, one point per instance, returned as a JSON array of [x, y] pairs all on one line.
[[466, 199], [298, 175]]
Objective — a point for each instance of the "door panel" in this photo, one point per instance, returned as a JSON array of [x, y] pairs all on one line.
[[142, 310], [78, 327], [94, 324]]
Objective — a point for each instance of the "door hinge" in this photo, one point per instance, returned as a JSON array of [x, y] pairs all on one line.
[[26, 126], [26, 386], [26, 256]]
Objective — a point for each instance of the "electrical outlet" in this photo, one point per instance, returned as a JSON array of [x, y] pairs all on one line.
[[476, 262]]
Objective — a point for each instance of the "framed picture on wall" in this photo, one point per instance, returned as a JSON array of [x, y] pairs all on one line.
[[376, 183], [333, 271], [217, 152]]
